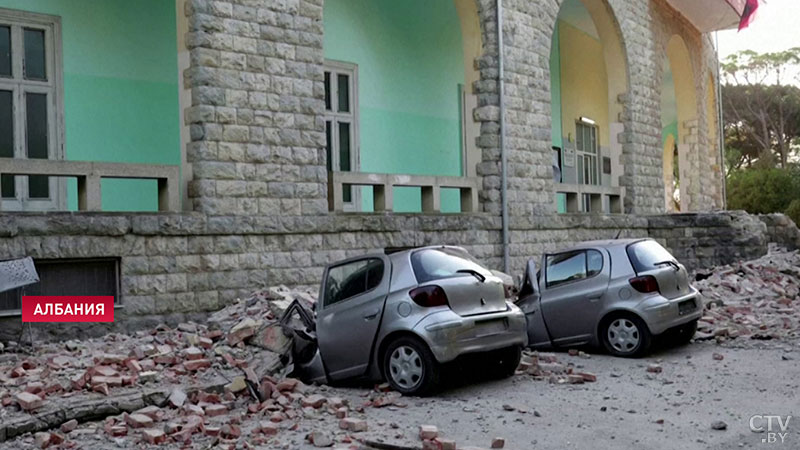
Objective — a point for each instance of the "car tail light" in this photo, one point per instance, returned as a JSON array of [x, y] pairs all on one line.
[[429, 296], [645, 284]]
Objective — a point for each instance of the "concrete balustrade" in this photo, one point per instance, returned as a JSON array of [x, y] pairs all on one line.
[[382, 185], [89, 175]]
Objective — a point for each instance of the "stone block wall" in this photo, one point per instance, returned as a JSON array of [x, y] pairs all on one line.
[[705, 240], [175, 266], [782, 230]]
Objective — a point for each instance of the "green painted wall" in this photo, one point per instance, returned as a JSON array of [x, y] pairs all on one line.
[[671, 129], [120, 88], [556, 130], [410, 62]]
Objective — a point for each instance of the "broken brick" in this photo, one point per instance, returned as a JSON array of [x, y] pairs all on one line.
[[353, 424], [138, 421], [28, 401], [197, 364], [154, 436], [428, 432], [498, 443]]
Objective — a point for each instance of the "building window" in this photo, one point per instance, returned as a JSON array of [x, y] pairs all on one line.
[[30, 106], [587, 152], [341, 124]]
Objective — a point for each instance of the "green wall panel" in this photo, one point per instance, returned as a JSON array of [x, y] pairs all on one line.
[[120, 88], [410, 63]]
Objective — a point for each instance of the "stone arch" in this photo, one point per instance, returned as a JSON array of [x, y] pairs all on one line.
[[599, 95], [678, 64]]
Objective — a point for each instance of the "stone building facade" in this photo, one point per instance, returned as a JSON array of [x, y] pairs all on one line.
[[257, 211]]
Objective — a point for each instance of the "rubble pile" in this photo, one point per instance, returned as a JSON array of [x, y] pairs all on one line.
[[195, 383], [546, 367], [756, 299]]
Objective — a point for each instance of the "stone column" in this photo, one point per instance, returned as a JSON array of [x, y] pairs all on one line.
[[257, 137]]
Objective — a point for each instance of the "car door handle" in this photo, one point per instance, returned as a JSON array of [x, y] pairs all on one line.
[[595, 299], [372, 315]]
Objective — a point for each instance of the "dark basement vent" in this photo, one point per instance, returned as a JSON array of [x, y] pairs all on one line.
[[68, 277]]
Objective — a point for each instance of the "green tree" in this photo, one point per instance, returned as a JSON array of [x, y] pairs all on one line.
[[761, 109], [763, 190]]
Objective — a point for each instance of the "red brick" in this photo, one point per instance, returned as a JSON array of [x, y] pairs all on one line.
[[353, 424], [445, 444], [110, 381], [154, 436], [35, 387], [133, 365], [152, 411], [101, 388], [588, 377], [230, 431], [28, 401], [428, 432], [42, 439], [288, 384], [216, 410], [498, 443], [314, 401], [268, 428], [69, 425], [138, 421], [193, 353], [197, 364]]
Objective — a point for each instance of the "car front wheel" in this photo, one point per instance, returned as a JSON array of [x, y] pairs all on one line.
[[626, 336], [410, 367]]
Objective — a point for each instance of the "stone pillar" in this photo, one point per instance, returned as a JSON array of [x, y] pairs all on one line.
[[256, 80]]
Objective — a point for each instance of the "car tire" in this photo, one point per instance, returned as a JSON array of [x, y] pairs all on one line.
[[410, 367], [683, 334], [625, 335], [505, 362]]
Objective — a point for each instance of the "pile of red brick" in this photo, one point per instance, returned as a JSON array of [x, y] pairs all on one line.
[[758, 299], [546, 366]]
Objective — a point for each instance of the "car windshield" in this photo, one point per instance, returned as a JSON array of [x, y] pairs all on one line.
[[648, 255], [437, 263]]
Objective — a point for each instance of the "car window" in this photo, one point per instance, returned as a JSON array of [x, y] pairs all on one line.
[[594, 262], [565, 267], [646, 255], [437, 263], [349, 280]]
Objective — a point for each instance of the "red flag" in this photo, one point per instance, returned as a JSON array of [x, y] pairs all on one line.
[[748, 14]]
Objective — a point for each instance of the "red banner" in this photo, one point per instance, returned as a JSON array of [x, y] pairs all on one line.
[[57, 308]]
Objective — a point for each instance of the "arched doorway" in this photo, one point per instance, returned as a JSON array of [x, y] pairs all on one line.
[[679, 123], [588, 73]]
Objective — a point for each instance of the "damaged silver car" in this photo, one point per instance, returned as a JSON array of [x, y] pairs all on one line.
[[618, 294], [400, 317]]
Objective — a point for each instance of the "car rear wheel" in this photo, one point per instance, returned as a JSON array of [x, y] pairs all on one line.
[[683, 334], [626, 336], [506, 361], [410, 367]]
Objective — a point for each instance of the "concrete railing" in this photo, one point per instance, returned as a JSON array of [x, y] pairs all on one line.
[[382, 184], [89, 175], [596, 194]]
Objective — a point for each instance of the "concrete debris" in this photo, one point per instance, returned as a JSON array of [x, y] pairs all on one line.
[[547, 367], [756, 300]]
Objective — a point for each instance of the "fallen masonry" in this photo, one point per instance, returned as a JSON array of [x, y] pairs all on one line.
[[756, 300]]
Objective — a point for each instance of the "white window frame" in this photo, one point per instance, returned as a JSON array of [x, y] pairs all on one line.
[[352, 117], [53, 87]]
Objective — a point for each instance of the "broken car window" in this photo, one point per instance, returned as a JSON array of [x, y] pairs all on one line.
[[351, 279]]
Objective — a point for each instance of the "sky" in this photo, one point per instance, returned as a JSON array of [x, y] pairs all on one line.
[[775, 28]]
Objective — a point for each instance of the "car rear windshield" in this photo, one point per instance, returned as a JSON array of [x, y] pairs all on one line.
[[437, 263], [647, 255]]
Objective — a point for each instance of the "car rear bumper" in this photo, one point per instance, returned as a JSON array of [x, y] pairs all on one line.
[[449, 335], [661, 314]]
